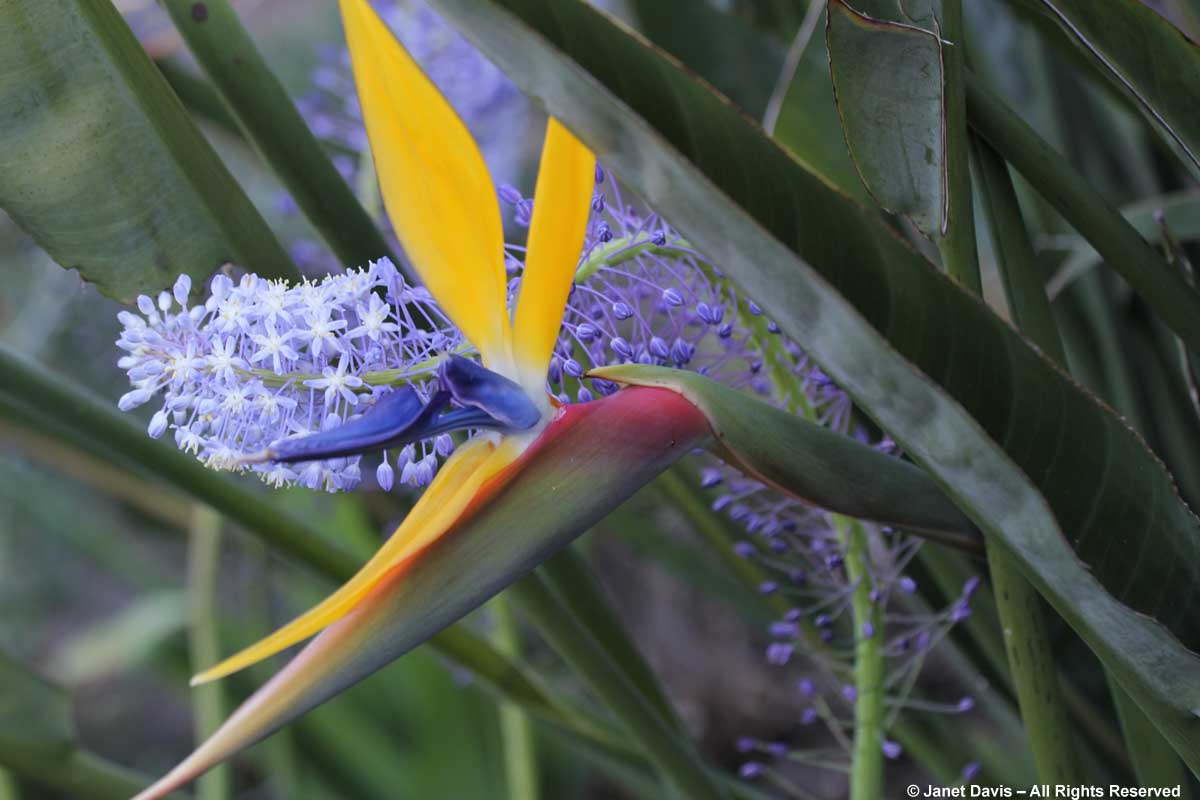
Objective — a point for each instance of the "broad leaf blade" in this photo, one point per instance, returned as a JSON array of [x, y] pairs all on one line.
[[1146, 57], [101, 164], [943, 375], [888, 81]]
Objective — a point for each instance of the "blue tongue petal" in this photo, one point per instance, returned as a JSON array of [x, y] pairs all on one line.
[[397, 418], [475, 386]]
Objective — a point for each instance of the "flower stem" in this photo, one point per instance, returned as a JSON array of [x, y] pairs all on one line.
[[866, 772], [208, 702], [516, 732], [1021, 610]]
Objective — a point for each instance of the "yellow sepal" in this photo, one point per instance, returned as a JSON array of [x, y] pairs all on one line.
[[561, 204], [435, 184], [451, 491]]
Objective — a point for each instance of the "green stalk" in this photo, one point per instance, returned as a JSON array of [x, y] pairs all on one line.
[[1022, 614], [1117, 242], [8, 787], [208, 702], [672, 754], [258, 100], [516, 733], [866, 767], [957, 243]]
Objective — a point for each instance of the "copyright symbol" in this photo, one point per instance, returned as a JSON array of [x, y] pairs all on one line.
[[913, 790]]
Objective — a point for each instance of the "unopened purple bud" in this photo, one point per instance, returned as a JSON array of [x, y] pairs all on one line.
[[970, 586], [772, 327], [971, 771], [891, 750], [710, 315], [573, 368], [777, 749], [750, 770], [806, 687], [753, 307], [710, 477], [725, 331], [659, 347], [744, 549], [682, 352], [965, 704], [834, 561], [875, 595], [524, 212], [907, 584], [131, 400], [721, 502], [158, 424], [599, 174], [182, 288], [659, 239], [823, 620], [798, 576], [784, 630], [779, 653], [849, 692], [921, 640], [808, 716], [778, 546], [768, 587], [586, 331], [621, 347], [598, 203], [585, 395], [745, 744], [793, 615], [672, 297], [385, 476], [960, 611], [509, 194], [606, 234], [146, 306], [622, 311]]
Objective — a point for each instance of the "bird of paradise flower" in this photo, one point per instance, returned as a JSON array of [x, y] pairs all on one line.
[[470, 533]]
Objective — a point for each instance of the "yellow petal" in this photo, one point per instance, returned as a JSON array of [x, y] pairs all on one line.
[[456, 485], [435, 184], [561, 203]]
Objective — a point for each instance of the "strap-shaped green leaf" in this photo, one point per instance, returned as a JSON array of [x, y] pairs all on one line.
[[101, 164], [1146, 56], [1034, 460], [808, 460]]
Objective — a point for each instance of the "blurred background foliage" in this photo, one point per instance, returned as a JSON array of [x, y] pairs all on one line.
[[94, 558]]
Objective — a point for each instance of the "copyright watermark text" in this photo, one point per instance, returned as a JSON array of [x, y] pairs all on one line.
[[1043, 790]]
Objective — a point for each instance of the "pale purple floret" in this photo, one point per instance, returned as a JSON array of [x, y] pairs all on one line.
[[260, 361]]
